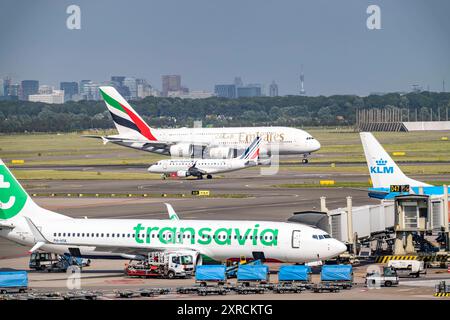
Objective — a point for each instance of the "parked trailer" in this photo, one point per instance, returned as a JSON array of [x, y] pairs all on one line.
[[81, 295], [210, 273], [294, 275], [245, 289], [188, 290], [340, 275], [289, 288], [13, 281], [321, 287], [248, 274], [219, 290]]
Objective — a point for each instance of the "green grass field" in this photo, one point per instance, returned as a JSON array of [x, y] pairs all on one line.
[[345, 146], [338, 146]]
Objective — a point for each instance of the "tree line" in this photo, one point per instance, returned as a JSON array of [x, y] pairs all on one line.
[[296, 111]]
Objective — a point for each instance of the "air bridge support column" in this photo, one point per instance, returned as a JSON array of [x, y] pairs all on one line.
[[350, 234], [323, 204], [398, 246], [446, 222], [409, 243]]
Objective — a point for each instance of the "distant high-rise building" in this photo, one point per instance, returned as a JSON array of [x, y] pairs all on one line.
[[70, 89], [89, 90], [118, 80], [6, 84], [251, 90], [273, 89], [29, 87], [302, 82], [225, 90], [14, 90], [131, 84], [170, 83], [82, 88], [118, 83], [2, 88]]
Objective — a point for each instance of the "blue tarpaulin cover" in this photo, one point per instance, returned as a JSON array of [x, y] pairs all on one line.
[[340, 272], [294, 273], [210, 273], [252, 272], [9, 279]]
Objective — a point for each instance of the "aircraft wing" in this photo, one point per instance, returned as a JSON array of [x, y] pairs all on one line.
[[157, 144], [136, 249], [4, 225]]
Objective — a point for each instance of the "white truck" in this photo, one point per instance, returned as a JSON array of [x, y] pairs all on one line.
[[167, 264], [408, 268]]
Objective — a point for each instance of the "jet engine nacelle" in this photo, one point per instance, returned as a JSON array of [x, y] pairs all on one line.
[[182, 150], [221, 153], [182, 174]]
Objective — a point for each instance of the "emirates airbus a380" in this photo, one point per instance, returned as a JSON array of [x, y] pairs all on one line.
[[217, 143]]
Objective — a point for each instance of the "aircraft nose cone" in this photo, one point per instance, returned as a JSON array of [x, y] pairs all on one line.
[[316, 145], [339, 247]]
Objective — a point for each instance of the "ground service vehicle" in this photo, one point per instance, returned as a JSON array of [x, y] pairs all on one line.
[[408, 268], [167, 264], [13, 281], [55, 263], [388, 278]]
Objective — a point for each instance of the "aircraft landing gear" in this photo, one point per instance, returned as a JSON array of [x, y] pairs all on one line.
[[200, 177], [209, 176], [305, 158]]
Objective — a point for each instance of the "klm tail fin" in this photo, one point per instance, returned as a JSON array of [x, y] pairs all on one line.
[[252, 151], [384, 172], [126, 119], [14, 200]]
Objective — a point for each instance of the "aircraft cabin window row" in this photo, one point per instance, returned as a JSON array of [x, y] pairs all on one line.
[[321, 236], [169, 235]]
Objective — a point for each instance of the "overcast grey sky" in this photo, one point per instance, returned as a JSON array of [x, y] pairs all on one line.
[[210, 42]]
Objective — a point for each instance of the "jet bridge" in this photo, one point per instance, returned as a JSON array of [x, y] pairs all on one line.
[[400, 221]]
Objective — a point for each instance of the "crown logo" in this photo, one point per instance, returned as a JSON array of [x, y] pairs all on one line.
[[381, 162]]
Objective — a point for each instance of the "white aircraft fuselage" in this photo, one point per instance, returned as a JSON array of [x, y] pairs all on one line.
[[284, 140]]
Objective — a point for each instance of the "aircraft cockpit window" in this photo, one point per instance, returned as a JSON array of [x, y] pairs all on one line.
[[315, 237]]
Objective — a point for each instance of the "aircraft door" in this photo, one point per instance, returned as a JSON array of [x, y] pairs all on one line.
[[296, 239]]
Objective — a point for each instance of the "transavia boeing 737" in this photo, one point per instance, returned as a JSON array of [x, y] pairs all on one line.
[[200, 167], [216, 143], [24, 222], [388, 180]]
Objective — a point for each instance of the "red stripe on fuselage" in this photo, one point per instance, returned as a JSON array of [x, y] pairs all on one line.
[[143, 127]]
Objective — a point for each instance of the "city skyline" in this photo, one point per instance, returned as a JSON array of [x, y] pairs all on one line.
[[339, 54]]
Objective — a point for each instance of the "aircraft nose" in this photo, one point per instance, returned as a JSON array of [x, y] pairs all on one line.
[[316, 145], [339, 247]]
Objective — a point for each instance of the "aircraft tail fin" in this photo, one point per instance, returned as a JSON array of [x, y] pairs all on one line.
[[384, 172], [127, 121], [15, 201], [252, 151]]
